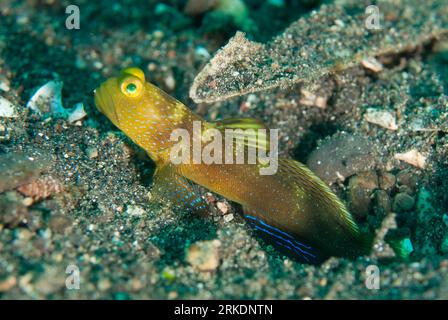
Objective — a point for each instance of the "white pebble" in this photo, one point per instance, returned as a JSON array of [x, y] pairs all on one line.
[[382, 118], [202, 53], [372, 64], [78, 113], [222, 206], [4, 84], [135, 211], [7, 109], [170, 82]]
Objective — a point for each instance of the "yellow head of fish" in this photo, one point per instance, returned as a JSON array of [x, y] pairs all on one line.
[[142, 111], [120, 97]]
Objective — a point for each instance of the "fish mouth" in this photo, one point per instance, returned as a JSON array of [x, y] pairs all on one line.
[[104, 102], [99, 103]]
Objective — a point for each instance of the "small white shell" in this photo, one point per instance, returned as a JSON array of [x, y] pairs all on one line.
[[7, 109], [48, 98], [4, 84], [372, 64], [78, 113]]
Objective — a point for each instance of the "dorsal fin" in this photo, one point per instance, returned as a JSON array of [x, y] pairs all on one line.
[[254, 132]]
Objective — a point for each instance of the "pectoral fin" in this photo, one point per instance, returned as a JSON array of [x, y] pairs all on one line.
[[171, 186]]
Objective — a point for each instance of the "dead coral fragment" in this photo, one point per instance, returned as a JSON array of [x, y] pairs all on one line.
[[323, 42], [381, 249], [413, 157], [41, 188]]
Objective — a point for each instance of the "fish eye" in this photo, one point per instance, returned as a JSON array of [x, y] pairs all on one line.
[[131, 87]]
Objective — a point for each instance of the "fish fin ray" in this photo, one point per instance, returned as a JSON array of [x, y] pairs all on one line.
[[281, 238], [171, 186], [301, 176], [256, 139]]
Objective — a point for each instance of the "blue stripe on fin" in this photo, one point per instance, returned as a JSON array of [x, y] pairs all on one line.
[[278, 230], [287, 241]]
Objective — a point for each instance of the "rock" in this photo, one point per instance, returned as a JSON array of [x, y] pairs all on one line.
[[12, 210], [202, 53], [197, 7], [407, 179], [228, 218], [210, 198], [338, 42], [92, 152], [382, 118], [361, 188], [204, 255], [152, 250], [383, 203], [342, 156], [135, 211], [223, 207], [387, 181], [4, 133], [413, 157], [50, 281], [17, 169], [104, 284], [312, 100], [28, 201], [8, 283], [403, 202], [59, 223], [7, 109]]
